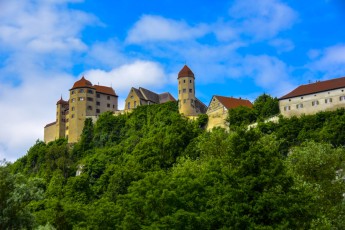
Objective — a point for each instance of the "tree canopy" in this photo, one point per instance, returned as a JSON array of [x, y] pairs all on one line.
[[155, 169]]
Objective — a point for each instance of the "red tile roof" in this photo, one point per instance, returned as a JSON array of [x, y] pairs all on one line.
[[82, 83], [105, 90], [231, 103], [185, 72], [61, 101], [316, 87]]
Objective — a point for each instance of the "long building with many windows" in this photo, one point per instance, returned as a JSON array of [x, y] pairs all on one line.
[[313, 98], [86, 100]]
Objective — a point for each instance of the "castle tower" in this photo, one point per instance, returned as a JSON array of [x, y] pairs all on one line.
[[186, 92], [82, 104], [61, 108]]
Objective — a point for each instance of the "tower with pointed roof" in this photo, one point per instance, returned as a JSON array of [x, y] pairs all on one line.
[[186, 92], [61, 112]]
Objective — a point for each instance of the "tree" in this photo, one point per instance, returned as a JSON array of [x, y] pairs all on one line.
[[266, 106], [16, 193], [319, 169], [241, 116]]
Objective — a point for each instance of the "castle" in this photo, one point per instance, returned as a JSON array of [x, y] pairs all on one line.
[[89, 101]]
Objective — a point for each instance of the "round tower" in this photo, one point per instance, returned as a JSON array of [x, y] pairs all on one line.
[[61, 108], [186, 92], [82, 104]]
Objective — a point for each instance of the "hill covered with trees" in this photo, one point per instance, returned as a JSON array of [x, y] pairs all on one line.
[[155, 169]]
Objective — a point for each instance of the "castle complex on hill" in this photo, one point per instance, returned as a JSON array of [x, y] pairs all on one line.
[[88, 101]]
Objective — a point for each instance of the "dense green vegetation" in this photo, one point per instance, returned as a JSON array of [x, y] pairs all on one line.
[[154, 169]]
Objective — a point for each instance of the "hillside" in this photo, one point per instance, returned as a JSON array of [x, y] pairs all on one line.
[[154, 169]]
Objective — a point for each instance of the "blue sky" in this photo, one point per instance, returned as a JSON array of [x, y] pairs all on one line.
[[239, 48]]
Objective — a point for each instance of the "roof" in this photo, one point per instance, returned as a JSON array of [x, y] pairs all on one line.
[[82, 83], [105, 90], [50, 124], [149, 95], [316, 87], [61, 101], [185, 72], [200, 106], [165, 97], [231, 103]]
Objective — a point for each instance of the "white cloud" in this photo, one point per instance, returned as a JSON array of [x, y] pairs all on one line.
[[152, 28], [282, 45], [262, 19], [268, 72], [139, 73], [38, 39], [329, 61], [42, 26], [27, 109]]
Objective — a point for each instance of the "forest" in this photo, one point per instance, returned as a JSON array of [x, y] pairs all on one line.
[[155, 169]]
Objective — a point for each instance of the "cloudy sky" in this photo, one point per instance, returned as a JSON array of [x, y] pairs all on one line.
[[238, 48]]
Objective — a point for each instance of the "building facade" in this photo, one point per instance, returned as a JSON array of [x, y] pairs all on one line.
[[141, 96], [315, 97], [189, 105], [86, 100], [218, 108]]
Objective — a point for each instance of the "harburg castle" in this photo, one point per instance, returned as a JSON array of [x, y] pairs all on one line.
[[89, 101]]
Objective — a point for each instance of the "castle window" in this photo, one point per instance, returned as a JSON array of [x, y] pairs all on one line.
[[72, 116], [113, 106], [184, 90], [131, 96], [184, 81], [72, 92], [67, 120], [73, 100], [342, 98], [135, 104], [314, 103], [179, 92], [98, 111], [98, 95], [190, 81], [90, 99], [81, 91], [184, 100], [98, 103], [190, 90], [108, 97], [108, 105], [287, 108], [89, 107], [299, 106], [128, 105], [90, 91], [81, 99], [301, 97], [72, 108], [328, 100], [66, 127]]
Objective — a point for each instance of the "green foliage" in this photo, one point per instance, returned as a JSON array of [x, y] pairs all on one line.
[[266, 106], [16, 193], [154, 169], [241, 116]]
